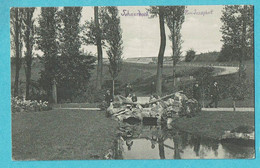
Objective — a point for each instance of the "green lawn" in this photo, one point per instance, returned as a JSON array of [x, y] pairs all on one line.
[[62, 135], [213, 124]]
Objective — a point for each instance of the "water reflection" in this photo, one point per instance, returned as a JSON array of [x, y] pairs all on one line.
[[157, 142]]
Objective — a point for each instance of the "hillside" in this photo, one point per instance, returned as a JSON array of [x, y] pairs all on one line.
[[206, 57], [131, 73]]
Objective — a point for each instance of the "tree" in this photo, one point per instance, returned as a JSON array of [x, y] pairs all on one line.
[[47, 41], [161, 11], [29, 42], [114, 43], [16, 43], [74, 67], [190, 55], [174, 19], [237, 33], [95, 35]]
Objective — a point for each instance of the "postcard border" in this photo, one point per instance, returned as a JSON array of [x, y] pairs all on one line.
[[5, 114]]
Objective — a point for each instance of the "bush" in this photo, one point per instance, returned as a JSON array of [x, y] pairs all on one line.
[[22, 105], [90, 95], [190, 55]]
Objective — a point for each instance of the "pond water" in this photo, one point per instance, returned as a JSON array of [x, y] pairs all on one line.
[[138, 141]]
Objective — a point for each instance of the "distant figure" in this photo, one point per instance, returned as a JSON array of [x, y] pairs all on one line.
[[197, 92], [108, 97], [152, 88], [129, 97], [152, 98], [128, 90], [214, 94], [134, 98]]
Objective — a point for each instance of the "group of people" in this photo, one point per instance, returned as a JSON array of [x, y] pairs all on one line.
[[214, 94], [197, 94], [129, 94]]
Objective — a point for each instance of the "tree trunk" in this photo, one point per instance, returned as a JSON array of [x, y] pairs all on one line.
[[173, 55], [113, 87], [16, 81], [161, 52], [243, 50], [28, 82], [54, 92], [173, 62], [99, 51], [28, 44], [203, 96], [17, 52]]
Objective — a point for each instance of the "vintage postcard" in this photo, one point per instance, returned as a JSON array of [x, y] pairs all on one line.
[[132, 82]]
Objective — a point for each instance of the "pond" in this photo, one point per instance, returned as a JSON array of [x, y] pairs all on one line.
[[138, 141]]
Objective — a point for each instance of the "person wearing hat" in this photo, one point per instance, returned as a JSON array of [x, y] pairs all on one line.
[[134, 98], [108, 97], [128, 90], [214, 94], [197, 92]]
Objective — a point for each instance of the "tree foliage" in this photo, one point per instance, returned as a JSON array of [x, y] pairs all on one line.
[[47, 42], [160, 11], [93, 32], [174, 19], [190, 55], [237, 33], [59, 40], [16, 42], [29, 42], [113, 36], [74, 66]]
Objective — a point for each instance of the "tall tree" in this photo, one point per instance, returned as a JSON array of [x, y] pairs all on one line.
[[29, 42], [94, 34], [237, 33], [74, 70], [99, 50], [161, 11], [114, 42], [16, 42], [174, 19], [47, 40]]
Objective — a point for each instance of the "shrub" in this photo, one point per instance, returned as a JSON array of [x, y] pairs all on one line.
[[190, 55]]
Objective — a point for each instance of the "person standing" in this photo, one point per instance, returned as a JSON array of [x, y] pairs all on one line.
[[108, 97], [197, 92], [152, 88], [214, 94], [134, 98], [128, 90]]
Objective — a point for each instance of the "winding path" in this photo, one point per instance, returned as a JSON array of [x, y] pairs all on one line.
[[225, 70]]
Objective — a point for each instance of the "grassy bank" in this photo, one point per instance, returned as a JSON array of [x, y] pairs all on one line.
[[62, 135], [213, 124]]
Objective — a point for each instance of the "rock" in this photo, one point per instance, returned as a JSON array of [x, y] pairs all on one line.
[[171, 106], [241, 132]]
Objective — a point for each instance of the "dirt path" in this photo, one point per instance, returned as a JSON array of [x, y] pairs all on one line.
[[226, 109], [225, 70]]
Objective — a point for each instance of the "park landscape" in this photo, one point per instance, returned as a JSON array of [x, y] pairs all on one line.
[[71, 126]]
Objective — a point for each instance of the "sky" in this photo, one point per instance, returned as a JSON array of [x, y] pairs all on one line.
[[141, 34]]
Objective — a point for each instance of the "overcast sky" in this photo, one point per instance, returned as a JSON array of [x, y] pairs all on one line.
[[141, 34]]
